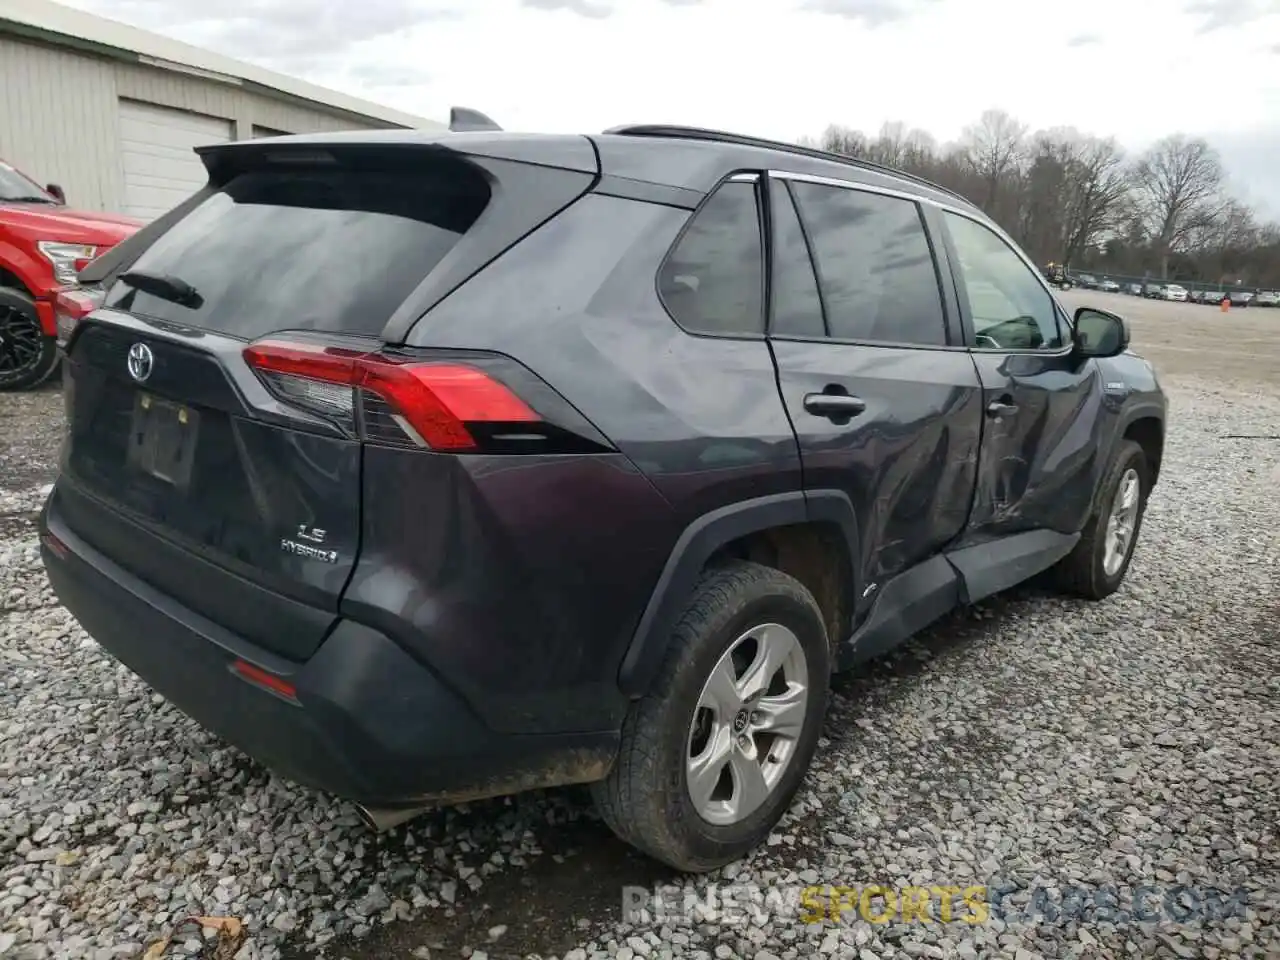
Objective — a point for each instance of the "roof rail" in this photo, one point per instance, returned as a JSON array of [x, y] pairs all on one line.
[[742, 140], [465, 119]]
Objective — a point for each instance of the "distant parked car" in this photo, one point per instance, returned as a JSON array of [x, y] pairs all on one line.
[[1088, 281], [1133, 289], [1153, 291], [1267, 298], [1241, 298], [1109, 286], [1173, 291]]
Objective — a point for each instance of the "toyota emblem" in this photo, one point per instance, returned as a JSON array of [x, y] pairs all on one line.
[[140, 362]]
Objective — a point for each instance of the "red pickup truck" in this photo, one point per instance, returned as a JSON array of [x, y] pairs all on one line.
[[43, 245]]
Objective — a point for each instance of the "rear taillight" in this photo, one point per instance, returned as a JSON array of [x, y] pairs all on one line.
[[70, 306], [405, 402]]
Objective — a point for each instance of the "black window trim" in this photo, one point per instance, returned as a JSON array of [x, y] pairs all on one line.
[[767, 192], [787, 177], [753, 177]]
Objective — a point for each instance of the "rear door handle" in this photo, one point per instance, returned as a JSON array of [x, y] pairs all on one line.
[[833, 405], [1001, 408]]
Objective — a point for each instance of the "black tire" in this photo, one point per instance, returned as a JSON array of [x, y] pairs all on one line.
[[27, 355], [645, 799], [1082, 572]]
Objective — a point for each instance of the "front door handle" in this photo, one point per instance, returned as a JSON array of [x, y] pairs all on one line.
[[833, 405], [1001, 408]]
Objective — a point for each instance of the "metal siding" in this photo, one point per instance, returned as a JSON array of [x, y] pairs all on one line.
[[167, 88], [57, 121], [157, 146], [59, 115]]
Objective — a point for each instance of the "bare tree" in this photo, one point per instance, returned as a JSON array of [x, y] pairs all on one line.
[[1069, 197], [851, 143], [993, 147], [1178, 180], [1097, 185]]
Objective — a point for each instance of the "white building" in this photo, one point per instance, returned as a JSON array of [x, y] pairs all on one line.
[[111, 113]]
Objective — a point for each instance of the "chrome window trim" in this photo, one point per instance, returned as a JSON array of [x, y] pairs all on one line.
[[976, 216]]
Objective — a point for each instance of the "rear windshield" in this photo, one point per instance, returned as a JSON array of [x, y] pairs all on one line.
[[327, 249]]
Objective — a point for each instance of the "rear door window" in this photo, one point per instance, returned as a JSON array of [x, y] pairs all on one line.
[[336, 250], [875, 268], [713, 280]]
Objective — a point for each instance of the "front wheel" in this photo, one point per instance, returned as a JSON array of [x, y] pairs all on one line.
[[27, 355], [711, 757], [1097, 565]]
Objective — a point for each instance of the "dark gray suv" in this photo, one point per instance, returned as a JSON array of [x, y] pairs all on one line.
[[426, 467]]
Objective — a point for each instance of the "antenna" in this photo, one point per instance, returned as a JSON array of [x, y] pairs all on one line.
[[463, 119]]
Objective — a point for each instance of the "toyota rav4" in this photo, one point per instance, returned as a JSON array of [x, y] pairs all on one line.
[[425, 467]]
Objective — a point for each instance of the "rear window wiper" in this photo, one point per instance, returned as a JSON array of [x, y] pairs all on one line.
[[28, 200], [165, 286]]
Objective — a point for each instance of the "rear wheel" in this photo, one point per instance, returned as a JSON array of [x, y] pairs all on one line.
[[711, 758], [1097, 565], [27, 355]]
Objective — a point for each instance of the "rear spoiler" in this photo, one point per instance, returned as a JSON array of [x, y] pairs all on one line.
[[116, 260]]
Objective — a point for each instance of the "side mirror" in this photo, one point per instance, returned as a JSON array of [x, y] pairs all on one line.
[[56, 192], [1100, 334]]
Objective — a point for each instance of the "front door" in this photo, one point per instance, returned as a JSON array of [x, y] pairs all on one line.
[[1039, 462], [885, 400]]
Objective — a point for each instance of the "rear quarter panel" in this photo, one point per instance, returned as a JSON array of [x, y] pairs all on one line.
[[698, 421], [576, 302]]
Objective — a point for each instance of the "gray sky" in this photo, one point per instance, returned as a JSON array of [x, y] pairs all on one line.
[[782, 68]]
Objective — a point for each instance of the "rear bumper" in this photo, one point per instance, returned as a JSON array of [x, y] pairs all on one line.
[[368, 723]]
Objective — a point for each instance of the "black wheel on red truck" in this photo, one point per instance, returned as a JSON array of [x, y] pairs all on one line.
[[27, 354]]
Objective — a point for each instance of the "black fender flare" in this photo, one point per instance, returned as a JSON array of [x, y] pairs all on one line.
[[696, 545], [1129, 414]]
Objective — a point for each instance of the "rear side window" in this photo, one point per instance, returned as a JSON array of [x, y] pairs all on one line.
[[875, 267], [713, 280], [336, 250]]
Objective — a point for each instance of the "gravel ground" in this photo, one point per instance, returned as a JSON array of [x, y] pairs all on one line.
[[1035, 744]]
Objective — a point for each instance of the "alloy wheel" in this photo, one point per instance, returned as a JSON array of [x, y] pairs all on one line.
[[1122, 523], [20, 342], [748, 720]]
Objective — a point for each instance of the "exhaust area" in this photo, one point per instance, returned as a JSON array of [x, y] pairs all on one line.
[[379, 821]]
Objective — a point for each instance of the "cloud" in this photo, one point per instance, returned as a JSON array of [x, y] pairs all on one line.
[[586, 8], [1220, 14], [594, 9], [874, 13], [1084, 40], [1249, 158], [388, 75], [298, 35]]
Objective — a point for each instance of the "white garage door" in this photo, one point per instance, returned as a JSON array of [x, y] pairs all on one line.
[[157, 150]]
